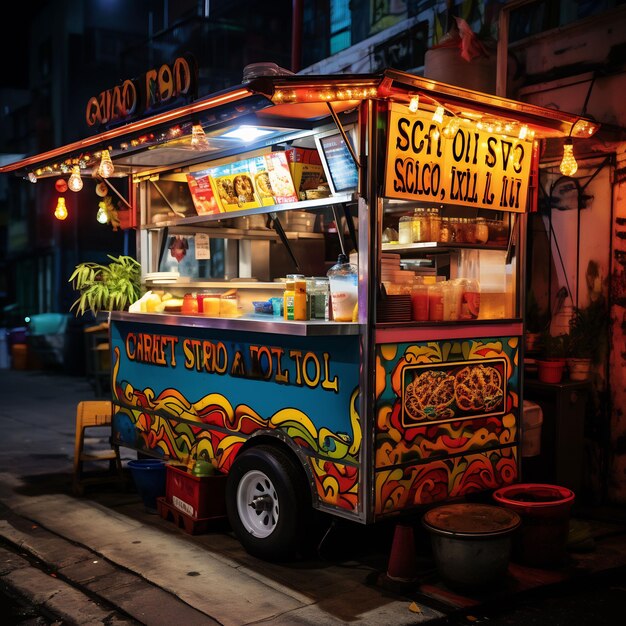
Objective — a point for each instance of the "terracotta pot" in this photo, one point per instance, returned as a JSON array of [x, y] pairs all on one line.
[[550, 370], [579, 369]]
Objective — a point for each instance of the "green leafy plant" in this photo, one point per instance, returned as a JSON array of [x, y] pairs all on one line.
[[106, 287], [555, 346], [589, 330]]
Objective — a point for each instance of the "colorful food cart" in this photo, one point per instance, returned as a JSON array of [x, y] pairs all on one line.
[[415, 401]]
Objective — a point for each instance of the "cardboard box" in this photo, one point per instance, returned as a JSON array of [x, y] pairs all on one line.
[[203, 193], [306, 170]]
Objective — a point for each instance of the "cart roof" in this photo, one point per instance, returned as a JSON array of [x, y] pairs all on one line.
[[284, 106]]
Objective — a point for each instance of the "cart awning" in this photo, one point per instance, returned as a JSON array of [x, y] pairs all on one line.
[[282, 106]]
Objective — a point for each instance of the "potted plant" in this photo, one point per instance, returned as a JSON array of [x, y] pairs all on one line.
[[106, 287], [550, 368], [587, 338]]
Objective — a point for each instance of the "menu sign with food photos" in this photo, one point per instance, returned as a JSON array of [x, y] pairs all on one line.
[[453, 391], [456, 162], [202, 193]]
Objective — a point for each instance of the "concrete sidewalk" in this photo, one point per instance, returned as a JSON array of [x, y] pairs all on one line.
[[114, 562], [211, 574]]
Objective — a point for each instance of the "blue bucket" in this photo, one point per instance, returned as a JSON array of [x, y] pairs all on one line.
[[149, 477]]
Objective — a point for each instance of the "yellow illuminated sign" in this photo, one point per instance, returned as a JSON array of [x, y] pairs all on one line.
[[469, 167]]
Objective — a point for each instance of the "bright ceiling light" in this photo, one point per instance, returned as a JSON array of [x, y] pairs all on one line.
[[247, 134]]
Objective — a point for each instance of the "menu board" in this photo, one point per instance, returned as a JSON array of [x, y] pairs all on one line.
[[339, 165]]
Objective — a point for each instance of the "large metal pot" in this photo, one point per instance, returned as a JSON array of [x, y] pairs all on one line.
[[471, 542]]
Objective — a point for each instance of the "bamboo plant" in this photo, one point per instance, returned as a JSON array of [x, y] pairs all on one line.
[[106, 287]]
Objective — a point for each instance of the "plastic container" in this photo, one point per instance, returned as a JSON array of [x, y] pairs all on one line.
[[149, 478], [435, 302], [211, 304], [299, 297], [190, 306], [343, 280], [545, 513], [405, 229], [419, 302]]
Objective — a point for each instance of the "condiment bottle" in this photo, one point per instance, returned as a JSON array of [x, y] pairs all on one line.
[[288, 297], [435, 224], [299, 297]]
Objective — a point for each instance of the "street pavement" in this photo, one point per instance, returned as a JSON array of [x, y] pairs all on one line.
[[103, 558]]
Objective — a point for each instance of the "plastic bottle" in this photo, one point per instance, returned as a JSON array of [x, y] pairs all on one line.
[[343, 279], [299, 297], [470, 287]]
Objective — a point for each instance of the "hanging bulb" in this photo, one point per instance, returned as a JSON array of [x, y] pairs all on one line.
[[568, 165], [438, 114], [106, 168], [199, 140], [32, 177], [75, 182], [102, 215], [61, 211], [523, 131], [414, 104]]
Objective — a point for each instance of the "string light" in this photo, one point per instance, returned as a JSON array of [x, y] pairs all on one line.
[[414, 104], [61, 211], [102, 215], [199, 139], [438, 114], [32, 177], [523, 131], [568, 165], [75, 182], [106, 168]]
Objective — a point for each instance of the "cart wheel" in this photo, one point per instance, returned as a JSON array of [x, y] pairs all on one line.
[[265, 501]]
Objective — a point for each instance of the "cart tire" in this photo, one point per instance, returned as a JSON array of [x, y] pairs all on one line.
[[265, 502]]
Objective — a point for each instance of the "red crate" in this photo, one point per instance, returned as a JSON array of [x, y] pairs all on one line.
[[200, 497], [190, 525]]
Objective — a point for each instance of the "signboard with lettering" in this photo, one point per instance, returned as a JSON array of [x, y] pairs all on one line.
[[470, 167], [157, 88]]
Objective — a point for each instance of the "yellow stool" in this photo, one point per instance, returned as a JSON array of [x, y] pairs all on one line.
[[90, 414]]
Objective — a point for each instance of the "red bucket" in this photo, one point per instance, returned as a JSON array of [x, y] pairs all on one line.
[[545, 512]]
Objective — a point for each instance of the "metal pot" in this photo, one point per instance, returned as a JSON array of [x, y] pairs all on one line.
[[471, 542]]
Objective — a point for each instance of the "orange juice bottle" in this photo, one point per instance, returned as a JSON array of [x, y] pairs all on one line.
[[299, 297]]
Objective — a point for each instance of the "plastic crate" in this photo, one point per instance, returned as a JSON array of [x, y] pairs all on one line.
[[198, 497], [190, 525]]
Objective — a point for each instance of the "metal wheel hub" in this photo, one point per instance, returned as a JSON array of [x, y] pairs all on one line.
[[257, 504]]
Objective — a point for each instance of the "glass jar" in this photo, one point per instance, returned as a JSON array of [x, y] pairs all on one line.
[[469, 230], [405, 229], [435, 224], [420, 225], [190, 304], [317, 290], [482, 230], [445, 233]]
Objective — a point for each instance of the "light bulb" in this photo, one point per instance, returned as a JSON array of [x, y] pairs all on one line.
[[199, 140], [414, 104], [61, 211], [102, 215], [75, 182], [32, 177], [523, 131], [106, 168], [438, 114], [568, 165]]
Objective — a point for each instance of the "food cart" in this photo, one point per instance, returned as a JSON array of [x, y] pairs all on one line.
[[363, 419]]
